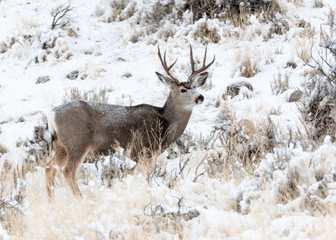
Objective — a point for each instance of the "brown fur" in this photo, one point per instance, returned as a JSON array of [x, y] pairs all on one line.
[[84, 126], [80, 127]]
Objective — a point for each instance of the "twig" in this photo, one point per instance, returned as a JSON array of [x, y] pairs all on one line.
[[197, 175], [60, 16], [182, 166]]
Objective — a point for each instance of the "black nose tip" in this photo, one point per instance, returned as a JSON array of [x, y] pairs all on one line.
[[200, 99]]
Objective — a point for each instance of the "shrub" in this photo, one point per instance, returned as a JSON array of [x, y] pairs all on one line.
[[318, 107], [243, 144], [238, 11], [38, 148], [153, 17], [61, 17], [280, 84], [12, 197], [248, 61]]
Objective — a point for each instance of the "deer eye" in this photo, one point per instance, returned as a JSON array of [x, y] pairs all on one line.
[[183, 90]]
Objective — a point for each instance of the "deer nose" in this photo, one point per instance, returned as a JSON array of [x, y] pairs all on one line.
[[200, 99]]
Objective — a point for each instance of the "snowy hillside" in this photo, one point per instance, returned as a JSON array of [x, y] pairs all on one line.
[[257, 160]]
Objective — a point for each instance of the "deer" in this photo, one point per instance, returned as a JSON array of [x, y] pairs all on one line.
[[80, 127]]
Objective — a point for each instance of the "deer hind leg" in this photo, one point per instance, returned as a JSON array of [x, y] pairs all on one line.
[[58, 161], [75, 158]]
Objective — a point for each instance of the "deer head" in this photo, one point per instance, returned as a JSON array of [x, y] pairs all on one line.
[[185, 93]]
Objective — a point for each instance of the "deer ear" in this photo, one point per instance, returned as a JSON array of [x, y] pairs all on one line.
[[200, 79], [166, 80]]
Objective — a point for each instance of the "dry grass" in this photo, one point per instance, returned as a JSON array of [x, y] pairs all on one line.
[[243, 144], [183, 196], [247, 61], [237, 12], [206, 32], [318, 107], [280, 84], [3, 149], [75, 93], [132, 209], [303, 48], [202, 14], [12, 197]]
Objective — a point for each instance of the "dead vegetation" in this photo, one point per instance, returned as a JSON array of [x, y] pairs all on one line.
[[318, 106], [98, 96], [12, 197], [236, 11], [280, 84], [248, 61], [243, 144], [169, 220], [3, 149], [202, 14], [233, 153], [61, 16]]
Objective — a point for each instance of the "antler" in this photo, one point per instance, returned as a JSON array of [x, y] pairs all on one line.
[[192, 63], [165, 67]]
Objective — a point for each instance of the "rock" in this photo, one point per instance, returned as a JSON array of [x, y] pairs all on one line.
[[120, 59], [295, 96], [42, 79], [291, 65], [234, 88], [3, 149], [73, 75], [3, 47]]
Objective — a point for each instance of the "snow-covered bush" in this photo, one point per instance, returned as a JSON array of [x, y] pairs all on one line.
[[12, 197], [244, 143], [169, 219], [280, 83], [248, 60], [319, 102], [38, 147], [204, 20], [113, 166], [279, 26]]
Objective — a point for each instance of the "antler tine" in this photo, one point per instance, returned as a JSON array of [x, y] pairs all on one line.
[[192, 63], [203, 68], [205, 54], [165, 67]]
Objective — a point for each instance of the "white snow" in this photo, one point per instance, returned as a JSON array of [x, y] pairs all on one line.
[[120, 55]]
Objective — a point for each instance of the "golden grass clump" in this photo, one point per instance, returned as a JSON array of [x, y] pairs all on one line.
[[248, 61], [75, 93]]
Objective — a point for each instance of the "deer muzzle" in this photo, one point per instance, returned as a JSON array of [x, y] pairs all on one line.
[[200, 99]]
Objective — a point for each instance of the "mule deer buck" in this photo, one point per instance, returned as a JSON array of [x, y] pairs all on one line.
[[79, 127]]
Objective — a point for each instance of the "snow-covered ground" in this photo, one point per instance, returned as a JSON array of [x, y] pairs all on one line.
[[116, 51]]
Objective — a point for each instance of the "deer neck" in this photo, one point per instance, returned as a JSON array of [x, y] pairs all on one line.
[[177, 117]]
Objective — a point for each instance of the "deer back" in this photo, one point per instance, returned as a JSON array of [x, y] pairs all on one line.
[[101, 126]]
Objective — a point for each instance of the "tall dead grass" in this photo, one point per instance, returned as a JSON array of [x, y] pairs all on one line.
[[75, 93], [318, 107], [243, 144], [248, 61]]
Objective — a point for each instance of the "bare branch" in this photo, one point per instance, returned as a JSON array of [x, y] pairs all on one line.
[[61, 16], [197, 174]]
